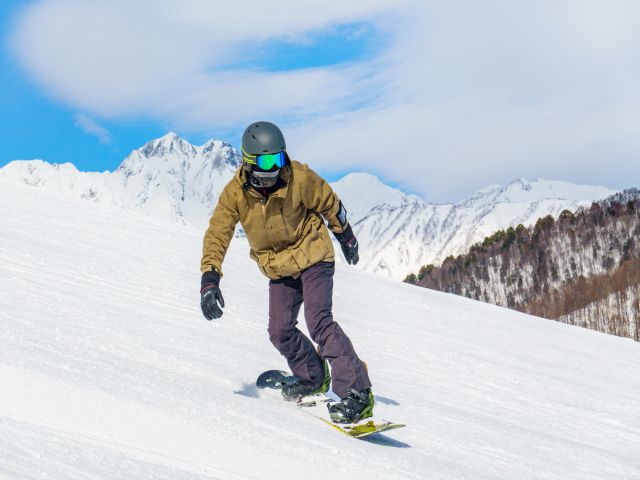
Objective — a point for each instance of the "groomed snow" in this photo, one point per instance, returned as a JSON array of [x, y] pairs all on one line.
[[109, 371]]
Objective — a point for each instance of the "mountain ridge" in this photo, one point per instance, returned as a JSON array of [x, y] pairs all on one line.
[[412, 232], [170, 178], [167, 177]]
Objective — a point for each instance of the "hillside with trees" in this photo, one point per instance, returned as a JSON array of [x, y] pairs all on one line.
[[582, 268]]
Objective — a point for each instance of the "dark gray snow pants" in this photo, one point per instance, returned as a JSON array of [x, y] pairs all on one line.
[[314, 287]]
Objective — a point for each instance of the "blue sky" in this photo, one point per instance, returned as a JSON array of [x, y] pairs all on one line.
[[438, 98], [37, 125]]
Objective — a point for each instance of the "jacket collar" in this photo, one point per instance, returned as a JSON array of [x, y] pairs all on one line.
[[282, 183]]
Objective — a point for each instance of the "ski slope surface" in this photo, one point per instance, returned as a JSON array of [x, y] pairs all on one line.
[[109, 371]]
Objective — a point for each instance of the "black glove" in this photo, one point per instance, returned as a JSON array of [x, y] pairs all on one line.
[[349, 244], [210, 295]]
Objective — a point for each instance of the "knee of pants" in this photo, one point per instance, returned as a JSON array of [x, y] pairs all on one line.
[[281, 338], [321, 326]]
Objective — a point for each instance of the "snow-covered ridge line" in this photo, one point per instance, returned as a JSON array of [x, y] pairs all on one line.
[[166, 178], [402, 232], [170, 178]]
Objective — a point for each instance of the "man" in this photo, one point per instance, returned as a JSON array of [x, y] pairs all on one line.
[[280, 204]]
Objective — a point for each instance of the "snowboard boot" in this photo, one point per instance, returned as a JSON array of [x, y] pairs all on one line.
[[352, 408], [298, 389]]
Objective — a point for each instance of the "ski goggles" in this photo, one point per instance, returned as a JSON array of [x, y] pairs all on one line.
[[265, 161]]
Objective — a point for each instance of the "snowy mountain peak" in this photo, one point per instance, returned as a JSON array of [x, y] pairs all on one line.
[[362, 178], [170, 171], [522, 183], [38, 173], [167, 177], [522, 190], [368, 184], [171, 148], [362, 192], [166, 145], [219, 152]]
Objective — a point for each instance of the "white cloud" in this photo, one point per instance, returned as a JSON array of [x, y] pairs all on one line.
[[465, 93], [90, 126], [165, 58], [483, 95]]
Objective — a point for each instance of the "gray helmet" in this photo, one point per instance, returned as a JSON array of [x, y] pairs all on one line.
[[263, 137]]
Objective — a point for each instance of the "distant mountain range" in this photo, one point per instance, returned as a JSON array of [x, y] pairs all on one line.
[[398, 232], [402, 232], [167, 177]]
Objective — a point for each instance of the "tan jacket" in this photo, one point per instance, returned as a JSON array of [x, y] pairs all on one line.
[[285, 231]]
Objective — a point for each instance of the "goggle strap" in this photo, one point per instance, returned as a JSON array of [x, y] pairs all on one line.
[[248, 158]]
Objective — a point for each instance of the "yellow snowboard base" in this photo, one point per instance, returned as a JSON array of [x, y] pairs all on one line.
[[361, 430]]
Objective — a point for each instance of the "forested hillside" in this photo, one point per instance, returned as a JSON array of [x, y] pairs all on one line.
[[582, 268]]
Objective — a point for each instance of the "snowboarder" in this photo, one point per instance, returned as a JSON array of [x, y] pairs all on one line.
[[280, 204]]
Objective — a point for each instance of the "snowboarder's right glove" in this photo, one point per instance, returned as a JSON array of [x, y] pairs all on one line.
[[211, 301], [349, 244]]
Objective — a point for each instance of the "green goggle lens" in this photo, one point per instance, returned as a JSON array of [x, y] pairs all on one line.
[[265, 161]]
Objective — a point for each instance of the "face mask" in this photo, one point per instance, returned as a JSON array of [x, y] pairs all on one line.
[[259, 179]]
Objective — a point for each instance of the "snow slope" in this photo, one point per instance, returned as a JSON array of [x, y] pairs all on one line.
[[109, 371]]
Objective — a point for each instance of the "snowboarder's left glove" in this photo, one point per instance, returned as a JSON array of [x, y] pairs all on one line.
[[211, 301], [349, 244]]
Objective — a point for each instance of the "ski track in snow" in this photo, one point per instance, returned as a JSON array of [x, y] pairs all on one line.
[[109, 371]]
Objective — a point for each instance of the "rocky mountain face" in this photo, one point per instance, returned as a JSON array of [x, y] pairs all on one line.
[[581, 267], [170, 178]]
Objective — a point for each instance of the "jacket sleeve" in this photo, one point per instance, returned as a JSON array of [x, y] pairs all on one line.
[[220, 232], [318, 196]]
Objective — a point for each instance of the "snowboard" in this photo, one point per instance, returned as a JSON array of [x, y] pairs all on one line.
[[276, 379], [364, 428]]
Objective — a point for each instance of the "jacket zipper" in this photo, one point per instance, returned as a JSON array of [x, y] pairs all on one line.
[[263, 203]]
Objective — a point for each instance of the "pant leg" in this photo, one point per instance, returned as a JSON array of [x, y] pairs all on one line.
[[285, 298], [347, 370]]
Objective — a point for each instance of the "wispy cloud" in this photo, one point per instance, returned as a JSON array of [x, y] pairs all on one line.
[[91, 127], [462, 94], [169, 59]]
